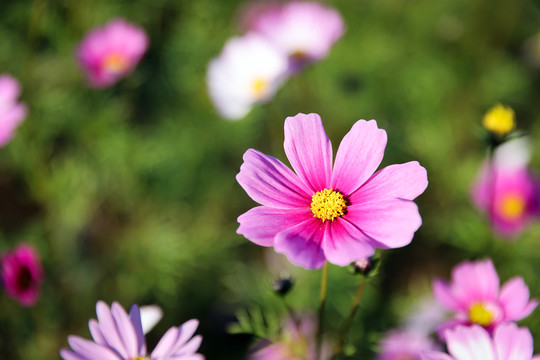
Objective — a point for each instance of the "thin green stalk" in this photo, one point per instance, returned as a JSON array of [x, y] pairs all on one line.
[[322, 302], [348, 322]]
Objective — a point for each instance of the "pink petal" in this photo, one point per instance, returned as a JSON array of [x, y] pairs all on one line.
[[434, 355], [108, 328], [135, 318], [358, 156], [166, 345], [187, 330], [96, 333], [470, 343], [269, 182], [343, 243], [125, 329], [302, 244], [187, 357], [309, 150], [188, 348], [67, 354], [390, 223], [513, 343], [404, 181], [443, 294], [261, 224], [514, 298], [475, 281], [89, 349]]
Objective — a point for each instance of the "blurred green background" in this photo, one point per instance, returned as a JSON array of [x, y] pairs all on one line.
[[129, 193]]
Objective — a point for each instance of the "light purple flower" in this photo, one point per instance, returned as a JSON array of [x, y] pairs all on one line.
[[303, 30], [474, 343], [12, 113], [109, 53], [507, 192], [296, 341], [248, 71], [338, 213], [405, 345], [119, 336], [475, 298], [22, 274]]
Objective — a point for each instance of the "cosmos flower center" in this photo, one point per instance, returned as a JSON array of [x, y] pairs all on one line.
[[259, 87], [480, 314], [512, 206], [140, 358], [328, 204], [115, 63]]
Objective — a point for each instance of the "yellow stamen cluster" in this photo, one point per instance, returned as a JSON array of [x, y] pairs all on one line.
[[479, 314], [140, 358], [115, 63], [260, 87], [328, 204], [512, 206], [499, 119]]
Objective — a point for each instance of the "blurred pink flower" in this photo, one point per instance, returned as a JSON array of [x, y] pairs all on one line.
[[109, 53], [119, 336], [474, 343], [12, 113], [249, 70], [22, 274], [475, 298], [303, 30], [297, 341], [405, 345], [320, 213]]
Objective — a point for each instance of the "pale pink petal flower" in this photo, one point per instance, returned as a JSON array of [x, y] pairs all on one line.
[[111, 52], [404, 344], [509, 342], [305, 31], [248, 71], [119, 336], [22, 274], [12, 113], [474, 296], [322, 212]]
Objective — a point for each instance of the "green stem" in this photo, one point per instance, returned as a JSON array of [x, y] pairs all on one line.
[[348, 322], [322, 302]]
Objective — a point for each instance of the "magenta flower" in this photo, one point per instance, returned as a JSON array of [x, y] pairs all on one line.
[[475, 298], [405, 344], [12, 113], [474, 343], [305, 31], [296, 341], [109, 53], [119, 336], [22, 274], [321, 213]]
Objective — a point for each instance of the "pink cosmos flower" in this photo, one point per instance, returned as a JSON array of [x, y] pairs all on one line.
[[22, 274], [297, 341], [109, 53], [303, 30], [474, 343], [405, 345], [119, 336], [12, 113], [507, 191], [338, 213], [475, 298], [248, 71]]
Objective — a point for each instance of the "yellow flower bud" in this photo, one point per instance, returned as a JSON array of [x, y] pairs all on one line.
[[500, 120]]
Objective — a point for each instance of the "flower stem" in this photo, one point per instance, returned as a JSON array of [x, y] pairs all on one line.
[[348, 322], [322, 302]]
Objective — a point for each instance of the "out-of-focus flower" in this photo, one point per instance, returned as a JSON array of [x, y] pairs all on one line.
[[150, 316], [109, 53], [425, 316], [249, 70], [22, 274], [12, 113], [119, 336], [475, 298], [303, 30], [321, 213], [509, 342], [297, 341], [405, 345], [500, 120], [507, 191]]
